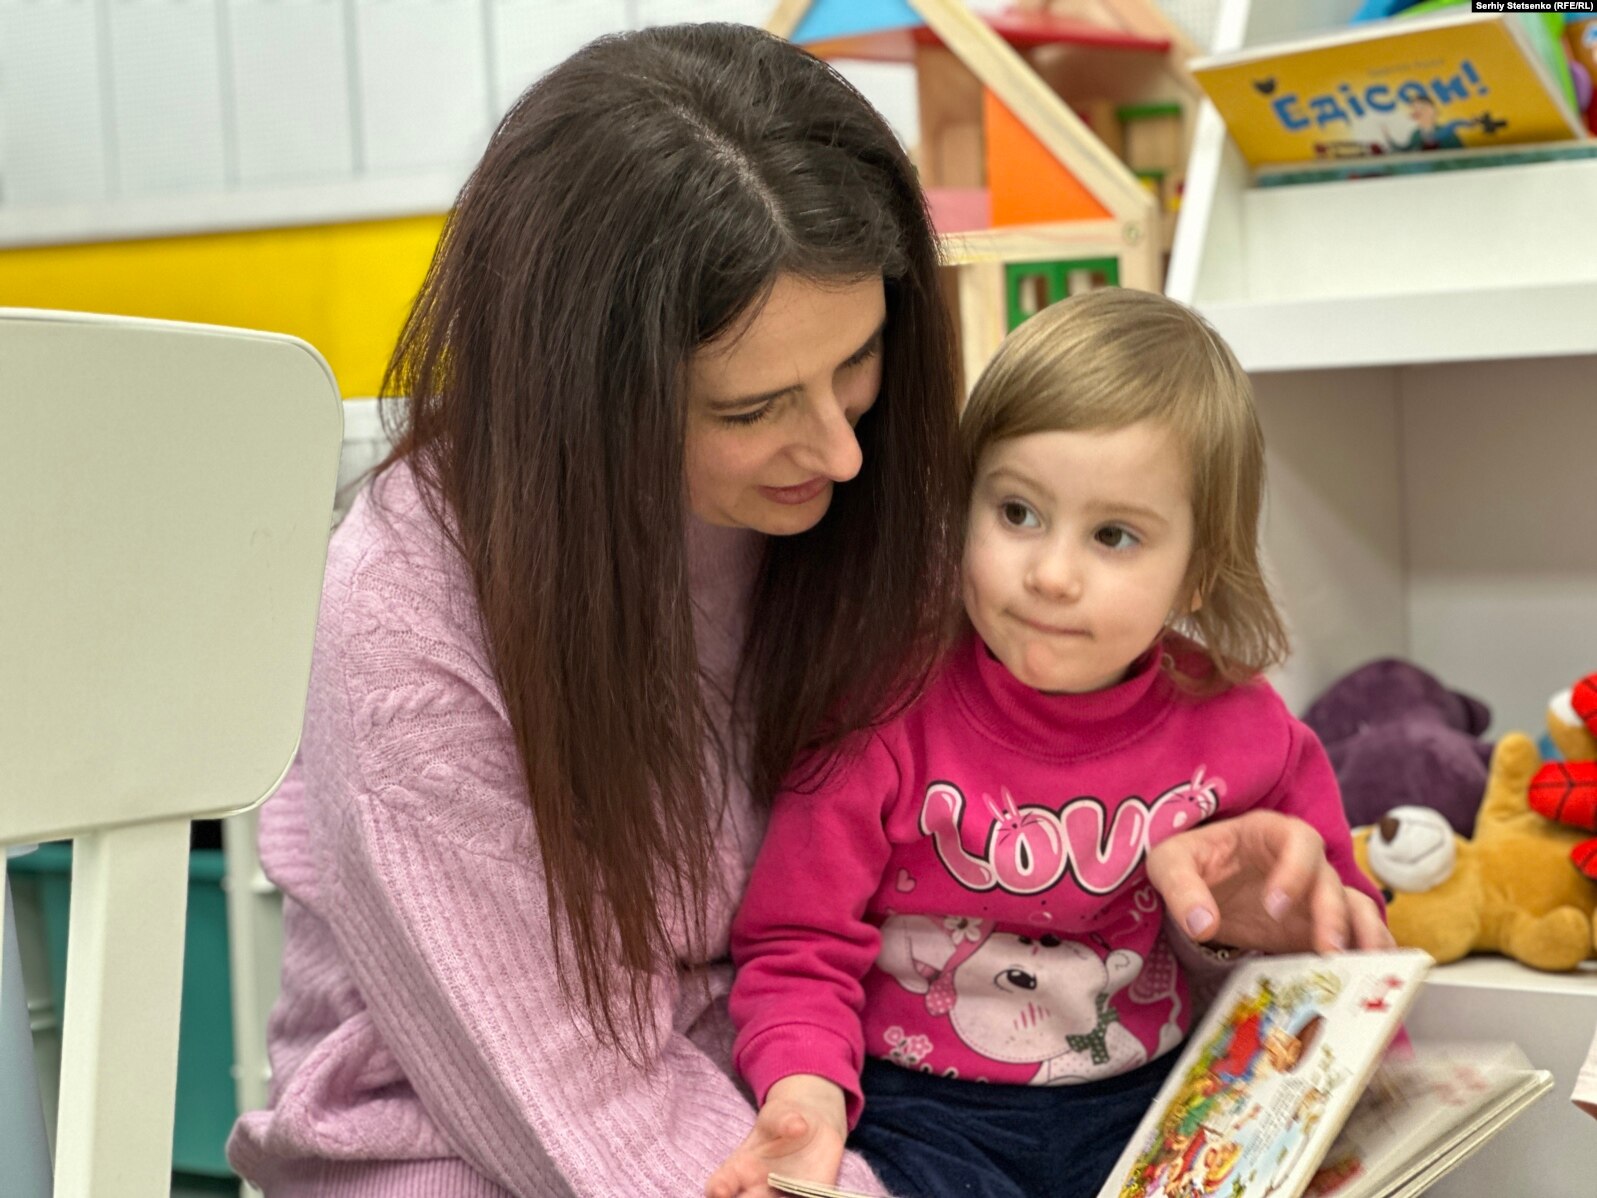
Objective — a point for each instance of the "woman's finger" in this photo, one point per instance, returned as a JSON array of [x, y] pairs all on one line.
[[1328, 904], [1174, 874], [1369, 929]]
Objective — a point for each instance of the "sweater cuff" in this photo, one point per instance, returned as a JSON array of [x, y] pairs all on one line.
[[780, 1052], [1207, 966]]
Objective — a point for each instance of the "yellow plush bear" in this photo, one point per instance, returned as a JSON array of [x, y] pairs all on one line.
[[1511, 890]]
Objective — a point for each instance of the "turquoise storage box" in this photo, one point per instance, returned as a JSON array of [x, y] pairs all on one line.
[[206, 1100]]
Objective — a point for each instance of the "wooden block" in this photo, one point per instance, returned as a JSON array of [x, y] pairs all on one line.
[[959, 209], [1101, 118], [951, 145], [1035, 243], [982, 317], [1028, 184], [948, 288], [1153, 134], [1170, 189]]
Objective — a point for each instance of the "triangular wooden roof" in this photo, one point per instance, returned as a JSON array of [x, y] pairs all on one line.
[[1000, 69]]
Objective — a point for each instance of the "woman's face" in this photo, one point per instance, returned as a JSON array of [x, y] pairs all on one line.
[[772, 405]]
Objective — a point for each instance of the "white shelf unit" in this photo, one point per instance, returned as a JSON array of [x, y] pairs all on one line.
[[1551, 1151], [1443, 267], [1424, 350]]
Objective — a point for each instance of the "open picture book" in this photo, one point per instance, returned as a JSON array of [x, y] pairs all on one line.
[[1287, 1088]]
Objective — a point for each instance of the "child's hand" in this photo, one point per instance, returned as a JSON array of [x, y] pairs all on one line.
[[799, 1133], [1261, 881]]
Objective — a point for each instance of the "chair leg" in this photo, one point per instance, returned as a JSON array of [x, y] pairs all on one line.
[[23, 1144], [124, 991]]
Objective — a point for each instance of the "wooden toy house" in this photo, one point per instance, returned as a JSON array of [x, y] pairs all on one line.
[[1052, 140]]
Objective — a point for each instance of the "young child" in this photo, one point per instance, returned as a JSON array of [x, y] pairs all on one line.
[[949, 943]]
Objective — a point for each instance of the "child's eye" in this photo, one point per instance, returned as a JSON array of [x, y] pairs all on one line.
[[1114, 536], [1018, 515]]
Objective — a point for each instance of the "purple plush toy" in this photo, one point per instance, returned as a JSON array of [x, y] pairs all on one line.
[[1396, 736]]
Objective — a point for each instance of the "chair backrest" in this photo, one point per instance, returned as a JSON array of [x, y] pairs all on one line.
[[165, 501]]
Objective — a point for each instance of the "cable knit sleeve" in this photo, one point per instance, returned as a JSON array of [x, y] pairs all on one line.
[[436, 899]]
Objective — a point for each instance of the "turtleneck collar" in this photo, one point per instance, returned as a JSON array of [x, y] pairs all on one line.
[[1060, 727], [720, 559]]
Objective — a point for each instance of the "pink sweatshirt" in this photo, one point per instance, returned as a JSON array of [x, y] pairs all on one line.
[[969, 896], [420, 1047]]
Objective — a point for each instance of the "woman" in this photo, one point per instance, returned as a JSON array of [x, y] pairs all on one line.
[[675, 502]]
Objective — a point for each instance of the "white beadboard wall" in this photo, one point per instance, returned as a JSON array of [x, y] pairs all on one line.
[[139, 117]]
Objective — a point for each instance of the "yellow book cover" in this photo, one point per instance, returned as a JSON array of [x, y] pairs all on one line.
[[1445, 83]]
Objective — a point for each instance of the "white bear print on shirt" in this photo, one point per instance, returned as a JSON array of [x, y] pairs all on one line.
[[1018, 998]]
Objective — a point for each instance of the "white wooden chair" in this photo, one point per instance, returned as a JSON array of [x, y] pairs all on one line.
[[165, 500]]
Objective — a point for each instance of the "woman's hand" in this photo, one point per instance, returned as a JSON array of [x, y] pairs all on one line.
[[1261, 881], [799, 1133]]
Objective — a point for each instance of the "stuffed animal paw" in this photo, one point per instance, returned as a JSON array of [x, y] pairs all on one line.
[[1566, 791], [1511, 889]]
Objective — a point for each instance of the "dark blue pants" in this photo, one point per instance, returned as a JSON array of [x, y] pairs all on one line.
[[937, 1137]]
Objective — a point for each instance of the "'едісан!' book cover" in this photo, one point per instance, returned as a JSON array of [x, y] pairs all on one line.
[[1398, 86]]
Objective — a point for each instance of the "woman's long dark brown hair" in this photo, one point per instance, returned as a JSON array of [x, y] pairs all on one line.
[[632, 205]]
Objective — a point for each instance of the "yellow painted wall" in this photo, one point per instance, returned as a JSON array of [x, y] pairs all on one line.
[[344, 288]]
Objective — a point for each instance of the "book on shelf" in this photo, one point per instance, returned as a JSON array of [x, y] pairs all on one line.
[[1453, 81], [1386, 166], [1290, 1087]]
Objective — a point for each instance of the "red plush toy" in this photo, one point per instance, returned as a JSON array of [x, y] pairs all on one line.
[[1566, 791]]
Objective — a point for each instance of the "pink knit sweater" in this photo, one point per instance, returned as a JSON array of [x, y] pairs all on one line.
[[420, 1046]]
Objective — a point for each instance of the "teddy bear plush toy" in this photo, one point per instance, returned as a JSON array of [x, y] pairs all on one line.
[[1397, 736], [1512, 889], [1566, 791]]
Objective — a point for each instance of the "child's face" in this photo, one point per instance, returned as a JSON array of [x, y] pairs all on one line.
[[1077, 547]]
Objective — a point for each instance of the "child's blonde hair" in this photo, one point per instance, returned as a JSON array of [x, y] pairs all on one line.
[[1113, 358]]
